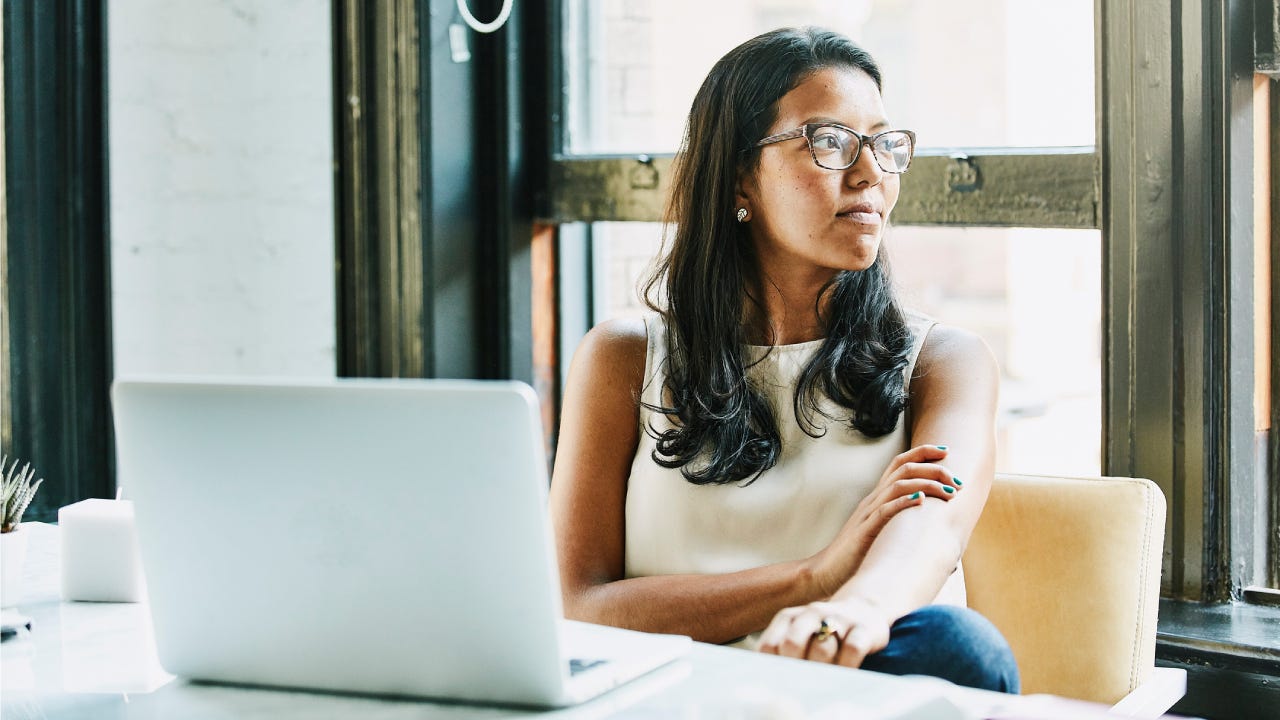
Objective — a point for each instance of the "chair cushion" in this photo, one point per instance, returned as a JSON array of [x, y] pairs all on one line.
[[1069, 570]]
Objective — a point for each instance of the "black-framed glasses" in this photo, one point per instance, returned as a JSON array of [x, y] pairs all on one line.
[[836, 147]]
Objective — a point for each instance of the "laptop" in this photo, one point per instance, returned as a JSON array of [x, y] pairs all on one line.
[[384, 537]]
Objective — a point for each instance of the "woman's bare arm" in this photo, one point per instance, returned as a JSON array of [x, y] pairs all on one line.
[[953, 403]]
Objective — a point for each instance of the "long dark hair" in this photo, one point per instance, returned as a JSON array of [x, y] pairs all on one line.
[[724, 429]]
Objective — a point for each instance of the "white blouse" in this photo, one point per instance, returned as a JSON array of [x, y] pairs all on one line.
[[790, 512]]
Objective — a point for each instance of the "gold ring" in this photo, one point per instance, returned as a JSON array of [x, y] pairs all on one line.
[[825, 631]]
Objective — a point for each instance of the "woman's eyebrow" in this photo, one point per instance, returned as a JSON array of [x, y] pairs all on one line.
[[880, 125]]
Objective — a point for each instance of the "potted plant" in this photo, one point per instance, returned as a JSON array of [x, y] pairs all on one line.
[[16, 491]]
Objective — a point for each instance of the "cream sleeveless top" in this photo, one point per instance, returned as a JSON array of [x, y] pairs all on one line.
[[790, 512]]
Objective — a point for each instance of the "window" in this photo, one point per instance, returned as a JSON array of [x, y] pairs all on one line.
[[1140, 267], [1032, 293]]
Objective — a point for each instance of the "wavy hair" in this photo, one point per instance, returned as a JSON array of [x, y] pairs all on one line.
[[723, 428]]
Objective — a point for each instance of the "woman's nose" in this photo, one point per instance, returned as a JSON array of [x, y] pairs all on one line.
[[865, 171]]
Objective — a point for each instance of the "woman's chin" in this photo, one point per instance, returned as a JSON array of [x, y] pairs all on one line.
[[862, 253]]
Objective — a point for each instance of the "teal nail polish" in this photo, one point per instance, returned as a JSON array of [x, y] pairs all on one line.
[[941, 447], [916, 495], [957, 481], [948, 489]]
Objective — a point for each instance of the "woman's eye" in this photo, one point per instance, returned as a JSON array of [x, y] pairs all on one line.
[[827, 141], [897, 144]]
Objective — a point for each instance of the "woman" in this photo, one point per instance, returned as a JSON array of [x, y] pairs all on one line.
[[781, 457]]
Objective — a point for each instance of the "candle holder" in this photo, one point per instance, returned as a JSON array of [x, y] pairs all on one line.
[[100, 560]]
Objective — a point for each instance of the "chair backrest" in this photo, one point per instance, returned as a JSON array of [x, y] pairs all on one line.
[[1069, 570]]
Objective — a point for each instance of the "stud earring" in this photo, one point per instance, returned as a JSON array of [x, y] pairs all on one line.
[[742, 214]]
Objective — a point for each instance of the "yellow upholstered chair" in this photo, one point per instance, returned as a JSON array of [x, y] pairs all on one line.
[[1069, 570]]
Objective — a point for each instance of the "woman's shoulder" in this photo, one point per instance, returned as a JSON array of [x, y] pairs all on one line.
[[618, 347], [952, 351], [624, 336]]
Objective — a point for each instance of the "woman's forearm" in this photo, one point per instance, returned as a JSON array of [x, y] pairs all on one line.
[[908, 562], [708, 608]]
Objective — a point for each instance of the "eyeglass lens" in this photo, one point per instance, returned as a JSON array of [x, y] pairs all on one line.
[[836, 149]]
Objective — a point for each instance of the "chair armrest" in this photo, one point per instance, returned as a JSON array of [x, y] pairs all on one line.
[[1154, 697]]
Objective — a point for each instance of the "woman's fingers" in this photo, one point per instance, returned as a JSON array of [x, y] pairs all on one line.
[[824, 642], [910, 486], [900, 496], [829, 632], [923, 471], [857, 644], [917, 454], [887, 510], [774, 637], [802, 633], [918, 463]]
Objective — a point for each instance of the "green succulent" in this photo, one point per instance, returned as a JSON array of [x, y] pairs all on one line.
[[16, 492]]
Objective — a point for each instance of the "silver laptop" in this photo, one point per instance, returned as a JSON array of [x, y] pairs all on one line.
[[373, 536]]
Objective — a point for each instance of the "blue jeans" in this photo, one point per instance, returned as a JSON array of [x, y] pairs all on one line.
[[952, 643]]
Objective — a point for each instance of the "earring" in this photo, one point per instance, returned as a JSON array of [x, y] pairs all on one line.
[[742, 214]]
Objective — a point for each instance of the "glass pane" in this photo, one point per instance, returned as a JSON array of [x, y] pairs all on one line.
[[988, 73], [222, 189], [1034, 295]]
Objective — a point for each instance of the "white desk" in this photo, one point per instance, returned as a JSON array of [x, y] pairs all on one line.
[[97, 660]]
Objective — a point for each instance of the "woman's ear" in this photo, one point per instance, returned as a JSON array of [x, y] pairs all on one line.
[[743, 192]]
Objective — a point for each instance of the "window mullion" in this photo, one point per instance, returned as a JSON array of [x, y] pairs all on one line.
[[1036, 187]]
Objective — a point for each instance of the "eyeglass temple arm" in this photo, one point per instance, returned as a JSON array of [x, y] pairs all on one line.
[[798, 132]]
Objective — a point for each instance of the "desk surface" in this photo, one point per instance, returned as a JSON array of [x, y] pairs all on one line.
[[97, 660]]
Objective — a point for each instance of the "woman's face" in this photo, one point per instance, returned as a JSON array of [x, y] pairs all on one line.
[[808, 219]]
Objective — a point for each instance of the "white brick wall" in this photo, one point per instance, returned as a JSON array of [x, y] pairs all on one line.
[[221, 157]]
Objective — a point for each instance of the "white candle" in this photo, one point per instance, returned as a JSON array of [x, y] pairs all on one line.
[[100, 560]]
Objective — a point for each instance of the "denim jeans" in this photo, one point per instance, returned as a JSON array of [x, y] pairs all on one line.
[[952, 643]]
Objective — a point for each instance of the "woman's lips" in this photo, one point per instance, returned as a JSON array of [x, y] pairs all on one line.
[[864, 217]]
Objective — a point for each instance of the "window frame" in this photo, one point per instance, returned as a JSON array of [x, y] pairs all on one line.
[[433, 265], [987, 187]]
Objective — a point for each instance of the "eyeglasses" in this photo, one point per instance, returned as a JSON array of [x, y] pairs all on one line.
[[836, 147]]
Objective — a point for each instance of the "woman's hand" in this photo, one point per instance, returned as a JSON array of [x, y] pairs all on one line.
[[854, 629], [910, 477]]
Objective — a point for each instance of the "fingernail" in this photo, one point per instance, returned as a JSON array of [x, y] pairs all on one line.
[[941, 447], [916, 495], [948, 489], [957, 481]]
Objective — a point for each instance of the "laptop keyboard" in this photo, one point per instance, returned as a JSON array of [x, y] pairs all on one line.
[[580, 665]]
